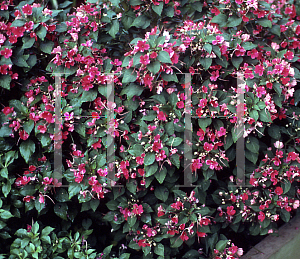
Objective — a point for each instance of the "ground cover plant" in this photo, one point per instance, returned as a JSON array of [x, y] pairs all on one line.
[[146, 49]]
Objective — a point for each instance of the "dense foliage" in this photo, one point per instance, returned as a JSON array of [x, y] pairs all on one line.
[[145, 50]]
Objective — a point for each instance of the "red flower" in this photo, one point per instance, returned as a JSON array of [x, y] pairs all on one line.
[[201, 234], [208, 147], [6, 52], [27, 9], [28, 198], [278, 190], [184, 236], [230, 210], [216, 11], [7, 110]]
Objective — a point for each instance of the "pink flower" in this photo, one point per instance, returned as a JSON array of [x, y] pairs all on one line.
[[289, 55], [260, 91], [212, 164], [6, 52], [153, 55], [27, 9], [47, 181], [161, 116], [41, 198], [137, 209], [201, 234], [214, 75], [208, 147], [142, 45], [259, 69], [24, 135], [42, 128], [145, 60], [218, 40], [261, 216]]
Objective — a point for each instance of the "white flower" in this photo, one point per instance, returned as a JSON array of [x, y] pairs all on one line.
[[278, 144]]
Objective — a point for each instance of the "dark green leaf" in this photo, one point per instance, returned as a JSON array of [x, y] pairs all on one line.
[[161, 192], [149, 158], [27, 148], [158, 8], [47, 46], [132, 90], [5, 81]]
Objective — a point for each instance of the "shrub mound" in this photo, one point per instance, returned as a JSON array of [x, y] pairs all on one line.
[[111, 109]]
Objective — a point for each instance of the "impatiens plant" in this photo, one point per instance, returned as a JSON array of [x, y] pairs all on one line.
[[96, 100]]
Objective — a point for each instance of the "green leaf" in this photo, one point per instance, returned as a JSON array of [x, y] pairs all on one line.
[[159, 249], [154, 67], [205, 62], [61, 209], [204, 123], [198, 6], [131, 186], [135, 2], [274, 131], [61, 195], [27, 148], [5, 214], [159, 98], [175, 160], [161, 193], [88, 96], [20, 61], [252, 157], [149, 159], [265, 23], [47, 46], [73, 189], [275, 30], [161, 175], [169, 11], [208, 47], [158, 8], [94, 204], [41, 33], [114, 28], [265, 116], [151, 170], [31, 61], [17, 23], [169, 127], [221, 245], [129, 76], [27, 42], [136, 150], [47, 230], [220, 19], [140, 21], [174, 142], [6, 188], [254, 114], [131, 221], [234, 21], [169, 77], [277, 88], [164, 57], [28, 126], [248, 45], [132, 90], [176, 242], [236, 61], [252, 144], [115, 2], [5, 81], [5, 131], [285, 215]]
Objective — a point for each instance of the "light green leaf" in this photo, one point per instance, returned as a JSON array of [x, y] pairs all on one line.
[[164, 57]]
